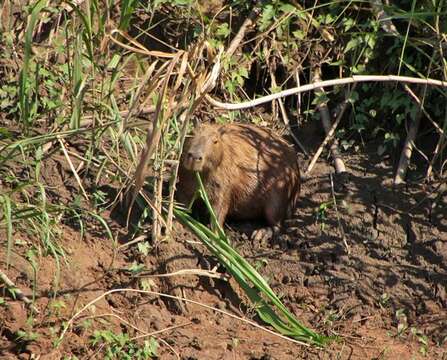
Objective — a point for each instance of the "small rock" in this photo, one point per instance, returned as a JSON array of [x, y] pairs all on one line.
[[309, 269], [442, 293], [431, 307], [286, 279], [440, 248], [156, 324], [196, 343]]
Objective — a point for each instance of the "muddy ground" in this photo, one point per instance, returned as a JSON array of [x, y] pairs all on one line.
[[386, 298]]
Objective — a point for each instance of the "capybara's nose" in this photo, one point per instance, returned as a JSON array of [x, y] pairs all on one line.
[[195, 156]]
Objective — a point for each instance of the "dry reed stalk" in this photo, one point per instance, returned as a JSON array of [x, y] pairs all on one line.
[[16, 291], [152, 141]]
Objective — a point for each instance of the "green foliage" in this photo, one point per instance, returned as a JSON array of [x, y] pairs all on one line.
[[27, 105], [321, 214], [121, 346], [236, 76], [422, 339], [128, 8], [56, 306], [135, 267], [26, 336]]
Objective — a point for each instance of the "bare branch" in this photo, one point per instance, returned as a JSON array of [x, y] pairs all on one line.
[[16, 291]]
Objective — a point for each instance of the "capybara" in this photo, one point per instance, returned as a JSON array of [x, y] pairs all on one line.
[[247, 171]]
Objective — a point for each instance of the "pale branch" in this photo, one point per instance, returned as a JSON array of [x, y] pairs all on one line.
[[329, 134], [326, 120], [418, 102], [70, 322], [323, 84], [440, 145], [400, 173], [184, 272], [404, 161], [407, 150], [340, 225], [16, 292]]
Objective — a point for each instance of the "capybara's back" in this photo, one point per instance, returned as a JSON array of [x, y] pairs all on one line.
[[248, 172]]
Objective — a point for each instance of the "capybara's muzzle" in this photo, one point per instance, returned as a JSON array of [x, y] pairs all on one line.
[[194, 161]]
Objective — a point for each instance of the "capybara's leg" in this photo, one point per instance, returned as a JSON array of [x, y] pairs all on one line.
[[220, 206], [186, 188], [221, 211], [275, 208]]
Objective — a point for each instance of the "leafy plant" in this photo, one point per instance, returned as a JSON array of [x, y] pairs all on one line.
[[121, 346], [26, 336], [321, 214], [402, 322], [422, 339]]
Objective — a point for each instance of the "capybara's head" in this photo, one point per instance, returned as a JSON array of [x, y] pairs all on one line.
[[204, 151]]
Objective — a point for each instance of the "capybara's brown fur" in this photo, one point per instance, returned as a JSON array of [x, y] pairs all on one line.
[[248, 172]]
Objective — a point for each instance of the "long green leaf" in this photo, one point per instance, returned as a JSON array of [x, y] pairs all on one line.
[[24, 76], [259, 292], [7, 214]]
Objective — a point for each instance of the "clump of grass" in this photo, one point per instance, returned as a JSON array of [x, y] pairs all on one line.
[[267, 304]]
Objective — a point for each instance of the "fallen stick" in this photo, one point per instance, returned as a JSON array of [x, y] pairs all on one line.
[[340, 226], [16, 292], [407, 150]]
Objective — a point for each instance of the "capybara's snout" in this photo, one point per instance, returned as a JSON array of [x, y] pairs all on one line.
[[194, 160]]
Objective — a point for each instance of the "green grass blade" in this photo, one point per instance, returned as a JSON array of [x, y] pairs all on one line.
[[7, 214], [24, 76]]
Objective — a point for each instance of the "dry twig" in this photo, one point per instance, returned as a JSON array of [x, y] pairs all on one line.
[[329, 134], [147, 292], [196, 272], [340, 226], [15, 291]]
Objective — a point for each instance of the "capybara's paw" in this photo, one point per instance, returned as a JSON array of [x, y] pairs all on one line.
[[264, 236]]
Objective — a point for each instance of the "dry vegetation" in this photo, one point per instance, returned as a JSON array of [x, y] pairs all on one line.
[[96, 98]]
